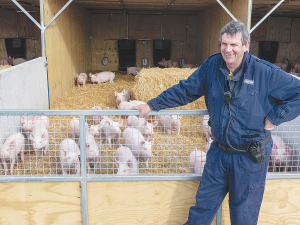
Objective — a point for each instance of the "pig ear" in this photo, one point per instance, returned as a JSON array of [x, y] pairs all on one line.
[[142, 143], [288, 149], [123, 92], [120, 122], [117, 163], [12, 144], [145, 123], [31, 135], [154, 124], [44, 135], [180, 116], [108, 123], [116, 93], [63, 153], [129, 163]]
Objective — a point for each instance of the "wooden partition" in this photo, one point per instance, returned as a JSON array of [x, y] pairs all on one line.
[[68, 46]]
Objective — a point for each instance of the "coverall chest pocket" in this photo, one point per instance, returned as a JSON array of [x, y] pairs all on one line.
[[251, 113]]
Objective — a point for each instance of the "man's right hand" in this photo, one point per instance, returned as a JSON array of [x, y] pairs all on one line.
[[144, 109]]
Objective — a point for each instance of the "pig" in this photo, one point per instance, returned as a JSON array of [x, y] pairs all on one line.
[[122, 96], [103, 77], [18, 61], [27, 125], [206, 128], [168, 122], [69, 152], [92, 150], [166, 63], [111, 129], [10, 60], [281, 155], [189, 65], [14, 145], [96, 119], [126, 105], [3, 62], [39, 138], [133, 70], [297, 68], [174, 64], [281, 65], [142, 125], [81, 79], [197, 160], [75, 128], [293, 72], [125, 161], [133, 139]]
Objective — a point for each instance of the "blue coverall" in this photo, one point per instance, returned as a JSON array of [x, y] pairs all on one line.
[[265, 91]]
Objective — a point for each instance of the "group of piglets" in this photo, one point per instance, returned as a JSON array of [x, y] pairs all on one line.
[[105, 76], [12, 61], [36, 130], [171, 63]]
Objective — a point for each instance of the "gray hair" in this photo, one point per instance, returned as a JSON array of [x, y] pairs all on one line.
[[234, 27]]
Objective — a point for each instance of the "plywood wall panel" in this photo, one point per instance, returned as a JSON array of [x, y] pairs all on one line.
[[33, 48], [260, 32], [68, 46], [174, 28], [280, 203], [145, 27], [295, 30], [8, 26], [26, 28], [144, 50], [40, 203], [137, 203], [282, 53], [279, 29], [3, 53], [254, 48]]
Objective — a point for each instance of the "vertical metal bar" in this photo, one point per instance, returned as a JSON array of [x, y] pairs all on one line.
[[85, 218], [83, 170], [27, 14], [275, 7], [224, 7], [59, 12], [219, 215], [43, 28], [249, 14]]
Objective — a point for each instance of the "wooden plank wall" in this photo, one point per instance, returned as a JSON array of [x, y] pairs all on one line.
[[17, 24], [108, 28], [68, 46], [214, 20], [284, 30]]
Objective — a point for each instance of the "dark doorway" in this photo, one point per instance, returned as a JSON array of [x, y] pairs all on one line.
[[161, 49], [127, 53], [268, 50], [16, 47]]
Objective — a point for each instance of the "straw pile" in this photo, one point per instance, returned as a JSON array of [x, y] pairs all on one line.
[[170, 152], [4, 67]]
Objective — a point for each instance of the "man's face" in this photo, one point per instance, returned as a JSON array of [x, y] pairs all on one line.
[[232, 50]]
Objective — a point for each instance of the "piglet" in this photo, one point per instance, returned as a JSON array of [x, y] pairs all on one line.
[[166, 63], [133, 70], [197, 160], [92, 150], [27, 125], [13, 145], [103, 77], [81, 79], [189, 65], [133, 139], [39, 138], [281, 65], [126, 162], [3, 62], [206, 128], [297, 68], [122, 96], [18, 61], [69, 152], [111, 129], [126, 105], [142, 125], [96, 119], [281, 155], [168, 122], [75, 128]]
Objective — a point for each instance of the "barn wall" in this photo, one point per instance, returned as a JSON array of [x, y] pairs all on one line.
[[17, 24], [285, 30], [68, 46], [214, 20], [183, 31]]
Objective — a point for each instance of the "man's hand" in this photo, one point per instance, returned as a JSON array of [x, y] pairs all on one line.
[[144, 109], [269, 125]]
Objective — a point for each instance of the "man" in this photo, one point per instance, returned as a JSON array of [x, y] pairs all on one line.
[[245, 97]]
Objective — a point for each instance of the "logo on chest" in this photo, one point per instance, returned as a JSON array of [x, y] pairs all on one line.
[[249, 81]]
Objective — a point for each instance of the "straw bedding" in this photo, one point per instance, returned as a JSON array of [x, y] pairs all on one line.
[[170, 152]]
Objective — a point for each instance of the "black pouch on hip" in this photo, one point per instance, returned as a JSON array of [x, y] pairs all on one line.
[[256, 152]]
